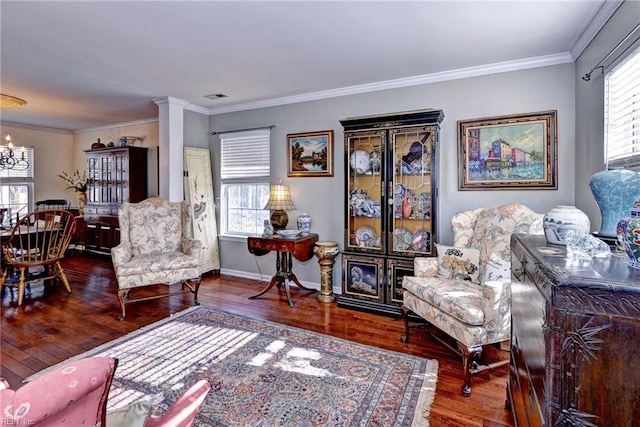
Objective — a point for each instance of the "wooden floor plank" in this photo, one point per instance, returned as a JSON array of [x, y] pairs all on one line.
[[52, 326]]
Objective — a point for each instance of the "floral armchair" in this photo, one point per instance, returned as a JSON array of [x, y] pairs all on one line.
[[156, 247], [466, 291], [74, 394]]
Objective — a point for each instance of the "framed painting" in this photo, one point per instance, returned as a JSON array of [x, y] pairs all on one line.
[[508, 152], [310, 154]]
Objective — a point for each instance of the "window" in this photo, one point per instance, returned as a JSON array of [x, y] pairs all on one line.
[[16, 188], [245, 169], [622, 113]]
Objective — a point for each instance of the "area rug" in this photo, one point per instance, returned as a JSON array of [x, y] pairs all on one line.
[[267, 374]]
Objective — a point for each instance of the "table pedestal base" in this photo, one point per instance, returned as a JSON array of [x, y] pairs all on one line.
[[283, 276]]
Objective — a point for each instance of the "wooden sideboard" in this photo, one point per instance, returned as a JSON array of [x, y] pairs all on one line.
[[575, 338]]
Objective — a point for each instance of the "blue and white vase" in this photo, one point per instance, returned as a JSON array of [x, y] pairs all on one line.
[[561, 219], [629, 235], [615, 191], [304, 223]]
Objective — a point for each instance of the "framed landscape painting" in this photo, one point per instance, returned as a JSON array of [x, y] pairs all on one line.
[[508, 152], [310, 154]]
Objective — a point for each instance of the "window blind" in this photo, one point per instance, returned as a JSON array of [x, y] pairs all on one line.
[[622, 113], [245, 154]]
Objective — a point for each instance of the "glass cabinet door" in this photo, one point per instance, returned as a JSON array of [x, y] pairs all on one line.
[[121, 177], [365, 155], [412, 222]]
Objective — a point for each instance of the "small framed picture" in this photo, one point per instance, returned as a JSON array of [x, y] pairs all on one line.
[[310, 154], [508, 152]]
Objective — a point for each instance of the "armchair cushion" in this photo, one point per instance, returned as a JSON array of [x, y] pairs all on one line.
[[458, 263], [459, 298]]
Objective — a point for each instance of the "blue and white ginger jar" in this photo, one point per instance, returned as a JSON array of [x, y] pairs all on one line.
[[304, 223]]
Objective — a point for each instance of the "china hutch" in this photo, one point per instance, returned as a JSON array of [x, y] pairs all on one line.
[[391, 204], [116, 175]]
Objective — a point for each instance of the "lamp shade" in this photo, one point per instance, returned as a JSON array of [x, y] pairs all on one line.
[[279, 198]]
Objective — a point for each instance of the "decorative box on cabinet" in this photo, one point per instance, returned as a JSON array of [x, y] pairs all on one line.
[[116, 175], [391, 204], [575, 338]]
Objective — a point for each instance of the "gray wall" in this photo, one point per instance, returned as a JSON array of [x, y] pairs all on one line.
[[547, 88], [590, 104], [196, 130]]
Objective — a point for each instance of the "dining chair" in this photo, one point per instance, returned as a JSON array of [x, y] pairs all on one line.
[[53, 204], [34, 249]]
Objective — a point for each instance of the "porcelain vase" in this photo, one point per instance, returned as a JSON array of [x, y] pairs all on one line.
[[562, 218], [82, 202], [615, 191], [629, 235], [304, 223]]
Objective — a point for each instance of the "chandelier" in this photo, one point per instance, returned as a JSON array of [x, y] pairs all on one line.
[[9, 159]]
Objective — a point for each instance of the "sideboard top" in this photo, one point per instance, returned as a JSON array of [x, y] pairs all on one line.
[[612, 272]]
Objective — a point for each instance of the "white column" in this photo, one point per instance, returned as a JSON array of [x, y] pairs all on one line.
[[170, 147]]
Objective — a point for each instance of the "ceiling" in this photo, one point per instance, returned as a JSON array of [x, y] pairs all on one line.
[[83, 65]]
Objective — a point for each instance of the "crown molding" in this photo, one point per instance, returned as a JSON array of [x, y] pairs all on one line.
[[500, 67], [599, 20], [35, 127], [117, 125]]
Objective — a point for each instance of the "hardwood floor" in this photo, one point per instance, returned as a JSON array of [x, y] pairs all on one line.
[[53, 325]]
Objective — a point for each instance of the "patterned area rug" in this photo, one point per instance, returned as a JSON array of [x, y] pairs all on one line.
[[266, 374]]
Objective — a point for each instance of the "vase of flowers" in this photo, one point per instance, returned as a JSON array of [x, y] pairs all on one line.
[[77, 183]]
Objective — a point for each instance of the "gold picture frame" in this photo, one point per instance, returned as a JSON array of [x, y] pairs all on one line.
[[518, 151], [310, 154]]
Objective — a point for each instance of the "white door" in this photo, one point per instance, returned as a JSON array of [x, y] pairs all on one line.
[[198, 187]]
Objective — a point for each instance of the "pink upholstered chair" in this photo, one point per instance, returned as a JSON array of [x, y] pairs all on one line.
[[74, 394], [184, 410]]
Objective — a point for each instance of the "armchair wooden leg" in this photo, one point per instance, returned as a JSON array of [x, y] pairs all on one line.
[[405, 320], [195, 293], [121, 296], [469, 354]]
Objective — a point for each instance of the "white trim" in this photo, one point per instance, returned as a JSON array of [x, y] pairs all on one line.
[[599, 20], [116, 125], [262, 278], [35, 127], [500, 67]]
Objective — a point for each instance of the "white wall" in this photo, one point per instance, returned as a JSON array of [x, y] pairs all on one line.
[[547, 88], [589, 154]]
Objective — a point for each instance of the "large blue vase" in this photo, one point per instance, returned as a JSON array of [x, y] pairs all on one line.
[[615, 191]]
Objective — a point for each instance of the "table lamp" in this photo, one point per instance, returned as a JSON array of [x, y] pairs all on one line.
[[279, 200]]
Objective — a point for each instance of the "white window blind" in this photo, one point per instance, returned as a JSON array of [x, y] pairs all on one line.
[[622, 113], [245, 154]]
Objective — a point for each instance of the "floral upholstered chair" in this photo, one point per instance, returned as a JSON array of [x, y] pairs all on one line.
[[156, 247], [74, 394], [466, 291]]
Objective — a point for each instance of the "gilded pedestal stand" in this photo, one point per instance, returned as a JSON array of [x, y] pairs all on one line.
[[326, 253]]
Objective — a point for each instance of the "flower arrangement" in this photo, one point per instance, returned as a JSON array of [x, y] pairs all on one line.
[[75, 181]]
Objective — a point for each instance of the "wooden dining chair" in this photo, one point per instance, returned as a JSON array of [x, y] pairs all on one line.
[[53, 204], [34, 249]]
